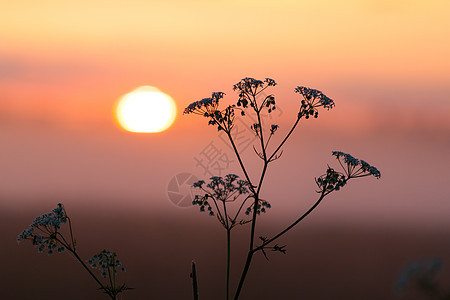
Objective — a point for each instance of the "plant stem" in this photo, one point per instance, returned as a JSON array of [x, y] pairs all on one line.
[[92, 274], [256, 194], [240, 162], [228, 228], [228, 261], [71, 233], [252, 251], [255, 209], [194, 281], [244, 274], [263, 172]]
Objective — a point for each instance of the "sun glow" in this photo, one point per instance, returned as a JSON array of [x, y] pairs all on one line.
[[146, 109]]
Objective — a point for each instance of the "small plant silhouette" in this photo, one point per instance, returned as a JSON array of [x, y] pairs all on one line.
[[422, 275], [45, 233], [215, 196]]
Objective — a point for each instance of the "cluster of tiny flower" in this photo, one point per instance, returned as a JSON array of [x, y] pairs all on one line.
[[223, 188], [312, 99], [248, 84], [49, 224], [107, 262], [52, 219], [356, 167], [365, 167], [46, 243], [260, 208], [220, 189], [248, 88], [348, 159], [331, 181], [26, 234], [353, 168], [206, 105], [223, 119], [256, 128], [202, 201], [273, 128], [270, 82], [269, 102]]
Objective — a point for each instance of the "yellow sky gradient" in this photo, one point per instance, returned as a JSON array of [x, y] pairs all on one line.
[[58, 57], [70, 61], [406, 38]]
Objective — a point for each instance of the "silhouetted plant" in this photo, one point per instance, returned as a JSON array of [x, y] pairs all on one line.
[[422, 275], [45, 233], [213, 197]]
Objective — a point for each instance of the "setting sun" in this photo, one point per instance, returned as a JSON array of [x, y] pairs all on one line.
[[146, 109]]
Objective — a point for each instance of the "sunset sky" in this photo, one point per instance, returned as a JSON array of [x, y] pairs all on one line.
[[64, 65]]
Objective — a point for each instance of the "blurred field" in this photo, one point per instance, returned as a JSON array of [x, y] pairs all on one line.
[[341, 260]]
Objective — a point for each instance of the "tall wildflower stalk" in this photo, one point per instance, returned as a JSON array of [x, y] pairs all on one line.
[[45, 233], [215, 196]]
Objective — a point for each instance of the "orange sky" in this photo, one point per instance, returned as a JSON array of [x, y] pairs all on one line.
[[64, 64], [69, 61]]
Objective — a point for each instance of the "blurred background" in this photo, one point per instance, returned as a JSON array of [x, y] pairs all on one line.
[[65, 64]]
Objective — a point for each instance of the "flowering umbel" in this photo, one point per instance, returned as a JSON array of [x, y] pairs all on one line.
[[223, 189], [209, 108], [312, 99], [352, 168], [355, 167], [206, 106], [331, 181], [107, 262], [44, 231], [248, 88], [217, 193], [45, 234]]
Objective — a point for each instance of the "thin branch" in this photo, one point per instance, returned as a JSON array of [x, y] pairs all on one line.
[[90, 273], [240, 162], [251, 252], [292, 225], [240, 208], [285, 139], [71, 233]]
